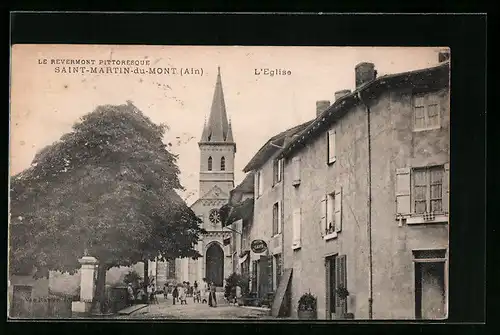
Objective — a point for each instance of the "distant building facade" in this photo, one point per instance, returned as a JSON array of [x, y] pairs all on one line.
[[365, 203]]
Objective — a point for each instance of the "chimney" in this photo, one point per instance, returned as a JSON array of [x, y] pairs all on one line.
[[340, 94], [321, 106], [365, 72], [443, 56]]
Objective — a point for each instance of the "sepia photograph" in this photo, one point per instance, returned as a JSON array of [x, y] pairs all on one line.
[[228, 182]]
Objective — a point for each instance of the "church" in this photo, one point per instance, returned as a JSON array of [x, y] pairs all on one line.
[[217, 152]]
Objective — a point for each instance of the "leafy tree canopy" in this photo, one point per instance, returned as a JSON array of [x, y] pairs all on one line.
[[107, 187]]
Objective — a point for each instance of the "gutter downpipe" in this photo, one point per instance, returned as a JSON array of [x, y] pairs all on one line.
[[369, 223]]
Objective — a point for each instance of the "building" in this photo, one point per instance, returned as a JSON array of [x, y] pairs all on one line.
[[217, 153], [237, 216], [262, 189], [365, 203]]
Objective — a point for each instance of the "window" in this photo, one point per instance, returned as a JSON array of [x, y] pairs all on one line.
[[210, 163], [296, 171], [426, 112], [222, 164], [428, 190], [331, 147], [422, 194], [277, 169], [332, 214], [259, 185], [296, 243], [276, 210], [330, 211], [226, 241]]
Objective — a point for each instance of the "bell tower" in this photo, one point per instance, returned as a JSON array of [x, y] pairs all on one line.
[[217, 146]]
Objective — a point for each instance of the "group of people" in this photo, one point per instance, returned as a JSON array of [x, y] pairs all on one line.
[[204, 294], [180, 293], [141, 294]]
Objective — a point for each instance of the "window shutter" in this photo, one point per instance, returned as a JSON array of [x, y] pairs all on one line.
[[331, 146], [296, 227], [279, 216], [446, 188], [296, 169], [323, 214], [338, 210], [341, 280], [337, 282], [256, 183], [403, 190]]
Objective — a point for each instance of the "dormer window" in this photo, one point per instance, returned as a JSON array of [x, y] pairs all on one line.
[[222, 164], [210, 163]]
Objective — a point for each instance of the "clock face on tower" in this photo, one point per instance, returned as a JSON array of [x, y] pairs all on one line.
[[214, 217]]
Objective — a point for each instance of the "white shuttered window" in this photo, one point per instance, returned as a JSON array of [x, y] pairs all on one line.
[[331, 146], [296, 170], [296, 228]]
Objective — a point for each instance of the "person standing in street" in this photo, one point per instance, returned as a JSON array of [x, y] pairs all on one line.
[[175, 294], [212, 300], [183, 293], [130, 292], [204, 291], [165, 290]]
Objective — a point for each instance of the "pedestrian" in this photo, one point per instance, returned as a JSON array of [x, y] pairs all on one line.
[[212, 300], [130, 292], [141, 295], [196, 296], [165, 290], [183, 293], [175, 294], [195, 285], [152, 294], [204, 291]]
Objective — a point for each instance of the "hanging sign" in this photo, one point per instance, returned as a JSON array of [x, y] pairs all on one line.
[[258, 246]]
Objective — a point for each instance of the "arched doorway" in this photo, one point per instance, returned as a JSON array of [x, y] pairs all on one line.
[[215, 264]]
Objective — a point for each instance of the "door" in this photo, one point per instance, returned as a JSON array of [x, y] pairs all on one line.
[[21, 301], [263, 276], [430, 295], [330, 287], [215, 265]]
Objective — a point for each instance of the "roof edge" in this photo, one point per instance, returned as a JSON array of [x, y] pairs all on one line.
[[354, 97]]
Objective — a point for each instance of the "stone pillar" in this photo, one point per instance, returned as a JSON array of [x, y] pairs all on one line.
[[87, 277], [200, 261], [185, 269]]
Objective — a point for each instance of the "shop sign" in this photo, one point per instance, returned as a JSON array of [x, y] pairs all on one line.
[[258, 246]]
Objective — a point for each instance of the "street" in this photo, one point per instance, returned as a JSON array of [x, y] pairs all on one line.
[[166, 310]]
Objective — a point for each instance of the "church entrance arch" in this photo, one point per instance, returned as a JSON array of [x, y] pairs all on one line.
[[215, 264]]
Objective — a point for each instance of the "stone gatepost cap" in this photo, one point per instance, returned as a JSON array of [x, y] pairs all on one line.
[[88, 260]]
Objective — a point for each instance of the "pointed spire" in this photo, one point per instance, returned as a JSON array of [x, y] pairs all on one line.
[[204, 135], [229, 137], [217, 123]]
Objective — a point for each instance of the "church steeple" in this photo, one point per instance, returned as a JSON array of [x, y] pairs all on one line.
[[217, 146], [217, 129]]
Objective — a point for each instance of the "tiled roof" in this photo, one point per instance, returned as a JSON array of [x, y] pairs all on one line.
[[273, 145]]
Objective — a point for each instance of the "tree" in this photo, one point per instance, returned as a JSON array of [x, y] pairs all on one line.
[[109, 188]]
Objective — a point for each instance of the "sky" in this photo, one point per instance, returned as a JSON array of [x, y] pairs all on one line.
[[45, 102]]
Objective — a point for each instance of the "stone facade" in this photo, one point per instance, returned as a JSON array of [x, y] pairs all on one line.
[[262, 227], [395, 145], [217, 154]]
